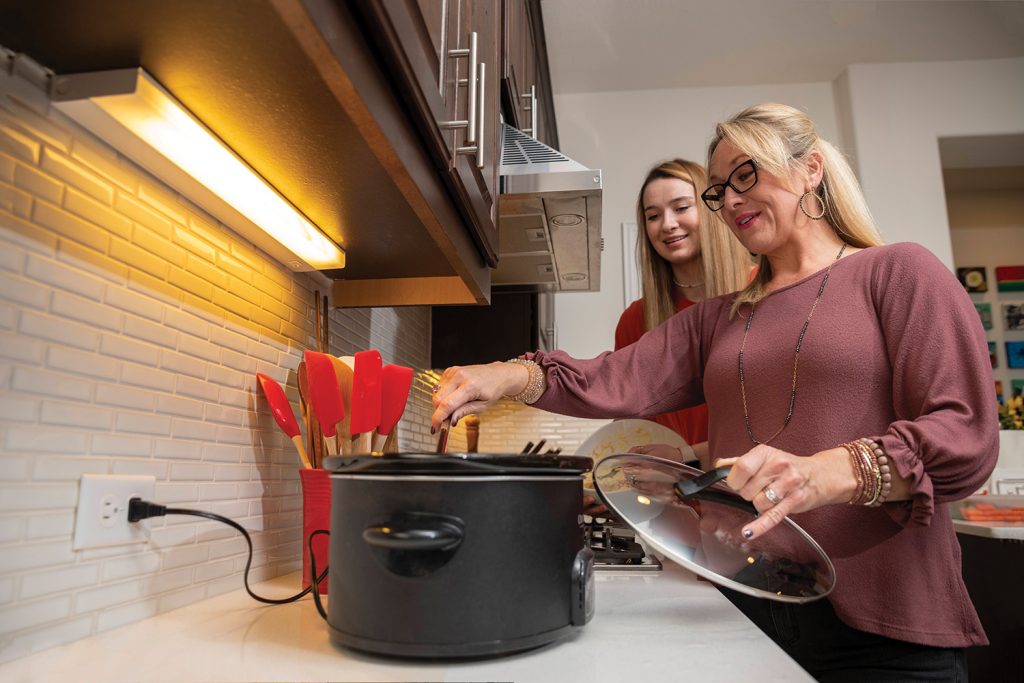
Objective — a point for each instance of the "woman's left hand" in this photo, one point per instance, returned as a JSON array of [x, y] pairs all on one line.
[[780, 483]]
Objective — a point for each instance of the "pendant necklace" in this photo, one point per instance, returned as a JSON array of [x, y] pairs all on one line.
[[796, 357]]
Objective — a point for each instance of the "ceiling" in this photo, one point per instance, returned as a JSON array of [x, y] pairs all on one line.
[[611, 45]]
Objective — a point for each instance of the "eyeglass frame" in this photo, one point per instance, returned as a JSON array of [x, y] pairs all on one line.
[[728, 183]]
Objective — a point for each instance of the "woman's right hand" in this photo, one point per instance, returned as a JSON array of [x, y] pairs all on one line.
[[465, 389]]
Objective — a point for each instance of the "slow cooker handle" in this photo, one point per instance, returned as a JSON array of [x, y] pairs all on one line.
[[419, 537]]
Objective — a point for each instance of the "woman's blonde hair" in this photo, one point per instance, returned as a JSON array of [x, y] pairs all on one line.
[[778, 138], [726, 263]]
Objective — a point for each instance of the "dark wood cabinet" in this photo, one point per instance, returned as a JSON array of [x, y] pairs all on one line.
[[443, 57], [525, 83]]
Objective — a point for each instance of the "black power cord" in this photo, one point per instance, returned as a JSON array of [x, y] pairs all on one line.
[[139, 510]]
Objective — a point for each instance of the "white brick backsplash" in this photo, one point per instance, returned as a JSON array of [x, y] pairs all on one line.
[[116, 444], [119, 616], [59, 580], [72, 360], [29, 614], [129, 566], [131, 327], [75, 415], [126, 397], [142, 423], [67, 469], [23, 291], [141, 467], [133, 303], [37, 184], [42, 526], [35, 440], [33, 555], [64, 277]]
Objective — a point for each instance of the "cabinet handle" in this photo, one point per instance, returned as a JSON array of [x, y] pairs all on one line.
[[532, 108], [482, 119], [470, 123]]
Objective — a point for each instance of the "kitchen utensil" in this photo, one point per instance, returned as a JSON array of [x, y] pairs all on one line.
[[326, 347], [365, 400], [395, 383], [425, 563], [281, 409], [314, 439], [316, 322], [442, 436], [326, 398], [528, 447], [621, 435], [343, 371], [540, 445], [472, 423], [703, 532]]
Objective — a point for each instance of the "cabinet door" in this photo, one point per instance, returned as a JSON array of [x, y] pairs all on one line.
[[425, 47]]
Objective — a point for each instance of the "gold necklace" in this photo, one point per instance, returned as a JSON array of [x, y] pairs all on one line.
[[796, 357], [685, 285]]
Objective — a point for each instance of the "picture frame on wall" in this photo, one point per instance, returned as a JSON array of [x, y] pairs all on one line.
[[1015, 354], [1010, 278], [1013, 317], [985, 313], [993, 358], [973, 278], [999, 392], [1016, 385]]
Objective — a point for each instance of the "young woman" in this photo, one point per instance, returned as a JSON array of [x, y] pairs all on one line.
[[849, 387], [686, 254]]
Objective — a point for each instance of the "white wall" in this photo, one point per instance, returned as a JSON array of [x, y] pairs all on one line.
[[897, 114], [624, 134]]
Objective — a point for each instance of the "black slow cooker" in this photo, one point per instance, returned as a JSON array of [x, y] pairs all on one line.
[[457, 555]]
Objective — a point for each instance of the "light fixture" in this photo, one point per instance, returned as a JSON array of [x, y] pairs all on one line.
[[129, 110]]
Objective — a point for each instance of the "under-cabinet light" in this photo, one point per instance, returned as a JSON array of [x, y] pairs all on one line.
[[129, 110]]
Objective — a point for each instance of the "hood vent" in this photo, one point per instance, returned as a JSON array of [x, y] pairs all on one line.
[[550, 213]]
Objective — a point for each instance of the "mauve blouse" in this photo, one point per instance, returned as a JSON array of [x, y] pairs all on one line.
[[896, 352]]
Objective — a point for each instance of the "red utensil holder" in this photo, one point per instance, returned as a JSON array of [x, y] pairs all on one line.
[[316, 514]]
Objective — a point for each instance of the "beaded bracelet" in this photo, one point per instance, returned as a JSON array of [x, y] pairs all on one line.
[[872, 471], [535, 384]]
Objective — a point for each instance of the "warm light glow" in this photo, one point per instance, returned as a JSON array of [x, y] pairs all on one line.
[[643, 500], [155, 117]]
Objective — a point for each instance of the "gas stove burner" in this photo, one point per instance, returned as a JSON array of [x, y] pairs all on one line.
[[615, 546]]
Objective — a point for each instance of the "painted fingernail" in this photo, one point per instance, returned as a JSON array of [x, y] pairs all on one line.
[[455, 423], [747, 533], [433, 431]]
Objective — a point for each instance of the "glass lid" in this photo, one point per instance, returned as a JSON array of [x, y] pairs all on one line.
[[703, 531]]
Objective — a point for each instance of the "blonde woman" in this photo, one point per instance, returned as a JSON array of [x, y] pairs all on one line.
[[852, 381], [686, 254]]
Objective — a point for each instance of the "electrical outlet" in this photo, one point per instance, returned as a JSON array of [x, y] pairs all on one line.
[[102, 516]]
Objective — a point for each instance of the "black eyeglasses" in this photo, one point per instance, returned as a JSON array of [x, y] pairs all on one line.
[[742, 178]]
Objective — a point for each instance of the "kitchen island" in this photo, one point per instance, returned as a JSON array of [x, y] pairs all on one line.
[[664, 626]]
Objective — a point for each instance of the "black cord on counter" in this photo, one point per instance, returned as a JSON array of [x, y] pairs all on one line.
[[139, 509]]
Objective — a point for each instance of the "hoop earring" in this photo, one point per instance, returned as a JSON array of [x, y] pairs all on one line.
[[823, 208]]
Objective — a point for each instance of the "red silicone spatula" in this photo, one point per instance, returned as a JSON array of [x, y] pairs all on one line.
[[281, 409], [365, 399], [326, 399], [395, 382]]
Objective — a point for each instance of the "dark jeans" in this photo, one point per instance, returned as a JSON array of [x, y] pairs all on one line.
[[833, 652]]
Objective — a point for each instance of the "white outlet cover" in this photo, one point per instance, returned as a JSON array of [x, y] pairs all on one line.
[[101, 519]]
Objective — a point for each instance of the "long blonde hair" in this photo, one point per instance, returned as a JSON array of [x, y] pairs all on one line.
[[726, 263], [778, 138]]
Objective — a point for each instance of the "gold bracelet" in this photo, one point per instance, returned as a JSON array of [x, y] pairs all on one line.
[[535, 384]]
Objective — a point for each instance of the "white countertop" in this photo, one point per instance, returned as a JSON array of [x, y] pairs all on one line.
[[653, 627], [1000, 530]]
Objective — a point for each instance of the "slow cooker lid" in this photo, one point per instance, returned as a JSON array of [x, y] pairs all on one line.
[[457, 464], [703, 532]]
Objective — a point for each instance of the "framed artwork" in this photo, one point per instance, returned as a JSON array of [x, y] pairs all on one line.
[[985, 313], [1016, 385], [1015, 354], [1010, 278], [992, 355], [973, 278], [999, 392], [1013, 317]]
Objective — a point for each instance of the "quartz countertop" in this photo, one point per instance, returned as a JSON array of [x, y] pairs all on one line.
[[1000, 530], [663, 626]]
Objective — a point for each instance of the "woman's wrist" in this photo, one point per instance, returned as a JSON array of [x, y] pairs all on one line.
[[526, 383], [840, 482]]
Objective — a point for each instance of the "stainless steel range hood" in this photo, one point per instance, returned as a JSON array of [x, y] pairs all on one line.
[[550, 214]]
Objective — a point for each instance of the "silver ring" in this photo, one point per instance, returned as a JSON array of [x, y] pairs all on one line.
[[437, 387], [772, 497]]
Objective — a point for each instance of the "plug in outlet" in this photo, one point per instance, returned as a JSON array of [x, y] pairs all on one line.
[[102, 516]]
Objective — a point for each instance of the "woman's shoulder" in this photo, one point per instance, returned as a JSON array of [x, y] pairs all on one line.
[[631, 324]]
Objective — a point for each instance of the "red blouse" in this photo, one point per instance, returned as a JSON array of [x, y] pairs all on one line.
[[689, 423]]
